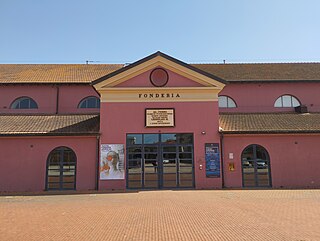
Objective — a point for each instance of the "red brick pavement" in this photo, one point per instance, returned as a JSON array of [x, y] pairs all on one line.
[[164, 215]]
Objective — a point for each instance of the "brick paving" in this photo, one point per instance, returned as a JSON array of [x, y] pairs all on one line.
[[164, 215]]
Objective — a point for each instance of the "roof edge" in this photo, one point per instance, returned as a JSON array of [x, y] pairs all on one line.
[[158, 53]]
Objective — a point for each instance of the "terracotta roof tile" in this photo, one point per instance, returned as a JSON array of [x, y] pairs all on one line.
[[54, 73], [264, 72], [270, 123], [86, 73], [49, 125]]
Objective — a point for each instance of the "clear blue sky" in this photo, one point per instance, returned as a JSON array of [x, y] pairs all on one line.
[[123, 31]]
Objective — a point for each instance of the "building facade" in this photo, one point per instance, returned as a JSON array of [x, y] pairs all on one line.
[[159, 123]]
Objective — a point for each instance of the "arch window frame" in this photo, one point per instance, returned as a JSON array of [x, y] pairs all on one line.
[[230, 102], [18, 105], [58, 154], [281, 101], [257, 164], [85, 101]]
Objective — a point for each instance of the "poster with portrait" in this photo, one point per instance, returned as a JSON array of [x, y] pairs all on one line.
[[212, 159], [111, 161]]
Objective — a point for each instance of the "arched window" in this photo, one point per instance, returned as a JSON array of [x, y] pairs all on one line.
[[255, 167], [61, 169], [287, 101], [89, 102], [226, 102], [24, 103]]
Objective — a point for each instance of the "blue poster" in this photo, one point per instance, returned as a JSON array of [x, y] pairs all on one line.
[[212, 160]]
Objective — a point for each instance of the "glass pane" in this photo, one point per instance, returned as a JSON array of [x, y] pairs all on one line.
[[135, 156], [53, 185], [168, 138], [286, 101], [54, 159], [151, 169], [69, 173], [169, 169], [185, 149], [151, 138], [54, 179], [169, 155], [169, 149], [185, 155], [134, 139], [68, 157], [295, 102], [261, 153], [68, 179], [248, 166], [186, 180], [248, 153], [223, 102], [151, 156], [54, 168], [249, 180], [134, 177], [170, 180], [24, 103], [134, 181], [169, 162], [185, 169], [263, 177], [68, 185], [134, 150], [92, 102], [186, 163], [185, 138], [278, 103], [134, 170], [33, 104], [150, 149], [150, 164], [134, 163], [151, 177], [151, 184], [231, 103], [133, 184]]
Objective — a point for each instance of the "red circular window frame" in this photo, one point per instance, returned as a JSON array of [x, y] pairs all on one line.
[[155, 81]]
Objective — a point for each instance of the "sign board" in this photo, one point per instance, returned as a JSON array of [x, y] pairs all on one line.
[[159, 117], [111, 161], [212, 155]]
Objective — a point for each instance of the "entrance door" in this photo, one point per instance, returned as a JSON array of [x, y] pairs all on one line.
[[160, 161], [255, 167]]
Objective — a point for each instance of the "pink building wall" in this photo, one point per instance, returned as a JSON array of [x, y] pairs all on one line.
[[260, 97], [46, 98], [176, 80], [294, 159], [70, 97], [44, 95], [119, 119], [23, 162]]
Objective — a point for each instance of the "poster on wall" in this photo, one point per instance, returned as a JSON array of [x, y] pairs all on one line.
[[212, 159], [111, 161]]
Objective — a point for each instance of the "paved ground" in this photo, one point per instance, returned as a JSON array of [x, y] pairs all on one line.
[[164, 215]]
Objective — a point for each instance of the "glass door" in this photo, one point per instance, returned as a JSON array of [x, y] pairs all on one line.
[[255, 167], [160, 161]]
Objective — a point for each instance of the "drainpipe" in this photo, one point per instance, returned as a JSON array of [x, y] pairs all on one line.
[[222, 160], [57, 100], [97, 162]]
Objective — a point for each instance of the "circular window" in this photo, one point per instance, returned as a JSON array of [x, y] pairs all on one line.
[[159, 77]]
